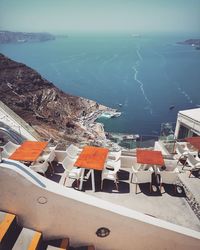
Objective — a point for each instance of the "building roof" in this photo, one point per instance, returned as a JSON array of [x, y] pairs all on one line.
[[193, 114]]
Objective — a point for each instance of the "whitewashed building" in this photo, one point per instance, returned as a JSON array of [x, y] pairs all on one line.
[[188, 123]]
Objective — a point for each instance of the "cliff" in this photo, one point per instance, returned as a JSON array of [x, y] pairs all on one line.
[[19, 37], [50, 111], [193, 42]]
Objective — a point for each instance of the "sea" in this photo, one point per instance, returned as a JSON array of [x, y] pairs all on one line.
[[147, 77]]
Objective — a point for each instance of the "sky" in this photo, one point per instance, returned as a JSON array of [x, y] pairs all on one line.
[[63, 16]]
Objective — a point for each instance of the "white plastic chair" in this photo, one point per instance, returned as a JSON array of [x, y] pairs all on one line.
[[111, 174], [10, 147], [114, 156], [73, 151], [169, 177], [181, 153], [170, 164], [141, 176], [48, 156], [40, 167], [71, 171], [193, 163], [5, 154]]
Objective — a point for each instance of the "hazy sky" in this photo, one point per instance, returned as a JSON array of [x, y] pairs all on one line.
[[100, 15]]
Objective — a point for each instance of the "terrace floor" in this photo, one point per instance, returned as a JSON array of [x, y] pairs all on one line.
[[167, 205]]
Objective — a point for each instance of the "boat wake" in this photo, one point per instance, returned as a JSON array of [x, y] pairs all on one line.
[[141, 84], [139, 55], [185, 95]]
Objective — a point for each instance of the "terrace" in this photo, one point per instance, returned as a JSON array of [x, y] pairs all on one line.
[[166, 204], [180, 207]]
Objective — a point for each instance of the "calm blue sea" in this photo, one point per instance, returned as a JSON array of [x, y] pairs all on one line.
[[146, 74]]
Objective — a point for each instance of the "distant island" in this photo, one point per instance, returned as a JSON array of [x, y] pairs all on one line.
[[23, 37], [193, 42]]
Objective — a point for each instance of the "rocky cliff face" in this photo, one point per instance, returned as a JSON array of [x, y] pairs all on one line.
[[50, 111]]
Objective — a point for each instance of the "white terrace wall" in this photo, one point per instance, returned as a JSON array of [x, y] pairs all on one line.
[[76, 215], [16, 123]]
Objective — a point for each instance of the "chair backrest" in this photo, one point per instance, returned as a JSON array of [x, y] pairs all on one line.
[[68, 163], [170, 164], [5, 154], [72, 151], [192, 161], [169, 177], [143, 176], [51, 156], [179, 149], [136, 166], [115, 155], [10, 147], [40, 167]]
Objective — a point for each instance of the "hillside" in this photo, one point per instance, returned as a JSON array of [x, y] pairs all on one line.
[[22, 37], [50, 111]]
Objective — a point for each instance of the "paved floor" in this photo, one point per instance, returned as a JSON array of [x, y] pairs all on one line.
[[167, 205]]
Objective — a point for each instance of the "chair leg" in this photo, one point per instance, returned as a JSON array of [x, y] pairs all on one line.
[[77, 183], [161, 187], [102, 184], [150, 187], [136, 188], [175, 188], [184, 164], [116, 186], [52, 168], [65, 180], [131, 179]]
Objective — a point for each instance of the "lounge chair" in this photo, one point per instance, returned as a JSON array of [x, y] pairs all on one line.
[[194, 164], [181, 153]]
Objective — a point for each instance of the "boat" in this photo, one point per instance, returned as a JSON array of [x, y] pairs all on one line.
[[171, 107], [131, 137], [110, 114], [116, 114]]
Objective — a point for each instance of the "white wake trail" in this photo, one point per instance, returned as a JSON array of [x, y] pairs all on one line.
[[139, 55], [142, 88], [141, 84]]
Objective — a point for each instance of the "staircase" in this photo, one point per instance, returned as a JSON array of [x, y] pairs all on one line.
[[14, 237]]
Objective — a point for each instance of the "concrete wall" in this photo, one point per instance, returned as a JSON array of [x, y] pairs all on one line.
[[57, 211], [16, 123]]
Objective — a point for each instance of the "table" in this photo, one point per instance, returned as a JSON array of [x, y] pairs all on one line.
[[151, 157], [92, 158], [29, 151], [194, 141]]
